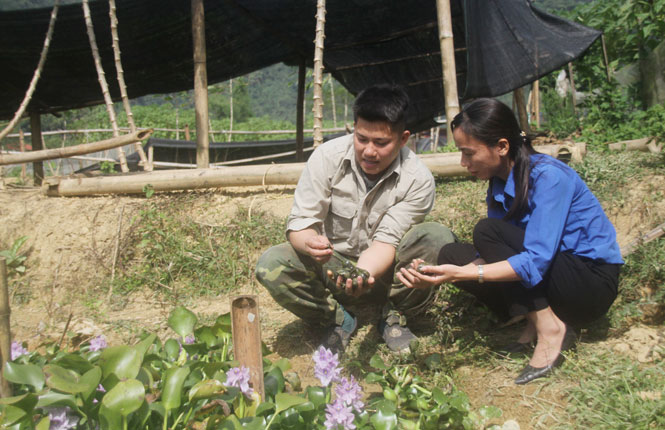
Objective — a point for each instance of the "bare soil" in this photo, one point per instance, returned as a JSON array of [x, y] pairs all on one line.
[[72, 243]]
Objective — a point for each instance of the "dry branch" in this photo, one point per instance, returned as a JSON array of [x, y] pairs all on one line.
[[645, 144], [652, 235], [264, 174], [36, 75], [86, 148]]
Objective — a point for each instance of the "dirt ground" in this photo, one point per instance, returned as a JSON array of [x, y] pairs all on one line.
[[72, 242]]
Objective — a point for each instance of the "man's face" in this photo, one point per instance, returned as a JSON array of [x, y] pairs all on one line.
[[376, 146]]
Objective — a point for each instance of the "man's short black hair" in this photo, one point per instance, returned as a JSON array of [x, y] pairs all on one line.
[[383, 102]]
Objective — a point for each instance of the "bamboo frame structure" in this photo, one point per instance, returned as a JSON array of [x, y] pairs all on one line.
[[38, 73], [101, 77], [121, 81], [518, 97], [446, 164], [444, 20], [572, 87], [36, 140], [68, 151], [318, 71], [200, 85]]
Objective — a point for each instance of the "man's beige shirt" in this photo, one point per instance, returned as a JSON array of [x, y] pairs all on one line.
[[331, 197]]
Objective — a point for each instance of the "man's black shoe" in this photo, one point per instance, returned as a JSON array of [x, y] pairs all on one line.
[[337, 339]]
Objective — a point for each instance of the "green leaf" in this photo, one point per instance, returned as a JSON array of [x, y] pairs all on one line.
[[174, 380], [316, 395], [43, 424], [145, 344], [206, 335], [273, 382], [224, 322], [205, 389], [182, 321], [122, 361], [65, 380], [52, 398], [172, 349], [11, 415], [265, 409], [91, 378], [385, 417], [254, 423], [284, 364], [28, 374], [108, 419], [125, 398], [377, 363], [74, 362], [18, 407], [284, 401]]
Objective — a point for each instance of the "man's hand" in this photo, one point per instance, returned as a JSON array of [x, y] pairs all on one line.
[[309, 242], [355, 282], [319, 248]]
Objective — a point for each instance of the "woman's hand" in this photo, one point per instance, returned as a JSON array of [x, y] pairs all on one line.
[[421, 275]]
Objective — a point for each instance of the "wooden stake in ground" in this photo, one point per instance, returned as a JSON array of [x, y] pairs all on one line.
[[121, 82], [5, 329], [200, 85], [536, 102], [448, 64], [607, 64], [102, 81], [318, 71], [332, 99], [230, 135], [21, 140], [35, 77], [246, 332]]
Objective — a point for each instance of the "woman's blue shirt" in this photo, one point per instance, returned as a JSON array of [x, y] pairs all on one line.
[[562, 216]]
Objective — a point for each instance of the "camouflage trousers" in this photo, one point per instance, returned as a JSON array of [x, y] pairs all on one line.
[[299, 284]]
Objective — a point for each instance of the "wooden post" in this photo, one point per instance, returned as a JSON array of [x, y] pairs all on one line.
[[21, 140], [246, 332], [536, 102], [607, 63], [572, 87], [332, 99], [187, 135], [230, 135], [36, 138], [448, 64], [318, 72], [300, 112], [200, 85], [518, 97], [5, 330]]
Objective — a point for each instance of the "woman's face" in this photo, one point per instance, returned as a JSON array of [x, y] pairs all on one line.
[[482, 161]]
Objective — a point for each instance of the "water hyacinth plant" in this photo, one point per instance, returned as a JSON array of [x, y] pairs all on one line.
[[195, 384]]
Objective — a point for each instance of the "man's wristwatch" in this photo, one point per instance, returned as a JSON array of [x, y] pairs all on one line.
[[481, 271]]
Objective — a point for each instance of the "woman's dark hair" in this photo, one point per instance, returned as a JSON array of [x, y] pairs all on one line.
[[384, 102], [488, 121]]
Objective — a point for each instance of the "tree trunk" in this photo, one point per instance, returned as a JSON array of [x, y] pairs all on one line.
[[448, 63], [35, 77], [200, 85], [518, 96], [102, 81], [318, 71], [121, 82]]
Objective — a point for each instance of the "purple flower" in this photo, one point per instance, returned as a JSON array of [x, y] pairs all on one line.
[[97, 343], [349, 392], [239, 377], [189, 339], [18, 350], [325, 366], [337, 414], [61, 418], [100, 388]]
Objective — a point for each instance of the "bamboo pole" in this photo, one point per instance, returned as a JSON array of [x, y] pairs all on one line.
[[645, 144], [572, 87], [23, 167], [246, 332], [121, 81], [653, 234], [300, 112], [332, 100], [200, 85], [444, 164], [230, 135], [38, 72], [36, 140], [536, 102], [518, 97], [5, 329], [101, 77], [318, 71], [448, 63], [49, 154]]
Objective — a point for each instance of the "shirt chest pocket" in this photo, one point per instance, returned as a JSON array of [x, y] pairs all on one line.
[[343, 211]]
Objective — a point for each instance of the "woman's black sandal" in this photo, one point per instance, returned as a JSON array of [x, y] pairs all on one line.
[[529, 373]]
